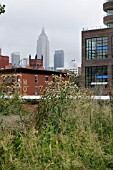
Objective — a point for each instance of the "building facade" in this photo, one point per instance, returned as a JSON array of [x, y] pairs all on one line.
[[27, 81], [15, 59], [58, 59], [4, 61], [97, 53], [35, 63], [43, 48], [108, 8]]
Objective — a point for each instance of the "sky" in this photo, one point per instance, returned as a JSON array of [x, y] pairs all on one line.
[[63, 21]]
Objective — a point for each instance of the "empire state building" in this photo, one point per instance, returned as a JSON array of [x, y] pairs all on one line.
[[43, 48]]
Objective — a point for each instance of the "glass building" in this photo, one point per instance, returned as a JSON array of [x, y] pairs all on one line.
[[15, 59], [58, 59]]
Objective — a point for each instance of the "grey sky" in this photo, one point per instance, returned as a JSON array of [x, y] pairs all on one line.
[[63, 20]]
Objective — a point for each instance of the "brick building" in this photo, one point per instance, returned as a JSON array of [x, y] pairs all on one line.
[[79, 70], [35, 63], [27, 81], [97, 53], [4, 61]]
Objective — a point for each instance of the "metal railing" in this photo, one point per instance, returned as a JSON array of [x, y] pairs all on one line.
[[93, 28]]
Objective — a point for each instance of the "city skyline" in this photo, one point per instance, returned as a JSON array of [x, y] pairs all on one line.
[[63, 22]]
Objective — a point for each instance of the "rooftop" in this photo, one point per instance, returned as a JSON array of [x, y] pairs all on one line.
[[94, 28], [30, 71]]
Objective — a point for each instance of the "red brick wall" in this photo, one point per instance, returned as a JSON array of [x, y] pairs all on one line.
[[4, 61], [35, 63], [28, 84]]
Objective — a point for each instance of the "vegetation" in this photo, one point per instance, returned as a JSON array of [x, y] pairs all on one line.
[[68, 130], [2, 9]]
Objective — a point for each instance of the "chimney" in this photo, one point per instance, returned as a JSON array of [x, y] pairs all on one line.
[[30, 57], [36, 57]]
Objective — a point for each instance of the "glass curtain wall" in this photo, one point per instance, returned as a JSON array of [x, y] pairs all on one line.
[[95, 74], [96, 48]]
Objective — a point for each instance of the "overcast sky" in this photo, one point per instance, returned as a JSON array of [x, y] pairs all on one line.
[[63, 20]]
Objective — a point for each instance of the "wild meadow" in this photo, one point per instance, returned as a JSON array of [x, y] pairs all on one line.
[[68, 130]]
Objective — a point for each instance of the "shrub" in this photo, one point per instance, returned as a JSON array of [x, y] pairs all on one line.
[[68, 130]]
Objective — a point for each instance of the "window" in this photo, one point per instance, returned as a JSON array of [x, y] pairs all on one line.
[[8, 90], [109, 12], [8, 79], [36, 90], [96, 75], [96, 48], [18, 78], [110, 25], [46, 78], [13, 79], [36, 79], [3, 91], [53, 79], [3, 79], [13, 90]]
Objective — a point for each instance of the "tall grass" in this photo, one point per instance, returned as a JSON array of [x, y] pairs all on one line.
[[67, 131]]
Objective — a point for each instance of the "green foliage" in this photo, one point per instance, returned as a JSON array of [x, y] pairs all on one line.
[[2, 9], [68, 131], [10, 105]]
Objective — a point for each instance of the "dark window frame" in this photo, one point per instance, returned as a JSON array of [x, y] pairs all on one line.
[[46, 78], [96, 48], [95, 74], [36, 78]]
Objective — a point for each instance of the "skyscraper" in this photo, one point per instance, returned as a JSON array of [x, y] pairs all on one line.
[[43, 48], [58, 59], [15, 58]]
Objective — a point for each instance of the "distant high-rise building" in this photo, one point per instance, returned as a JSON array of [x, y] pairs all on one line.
[[43, 48], [15, 58], [24, 62], [73, 67], [58, 59]]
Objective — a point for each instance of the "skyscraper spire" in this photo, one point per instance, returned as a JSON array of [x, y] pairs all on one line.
[[43, 48], [43, 30]]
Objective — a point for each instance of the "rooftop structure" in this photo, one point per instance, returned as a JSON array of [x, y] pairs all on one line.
[[108, 8]]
